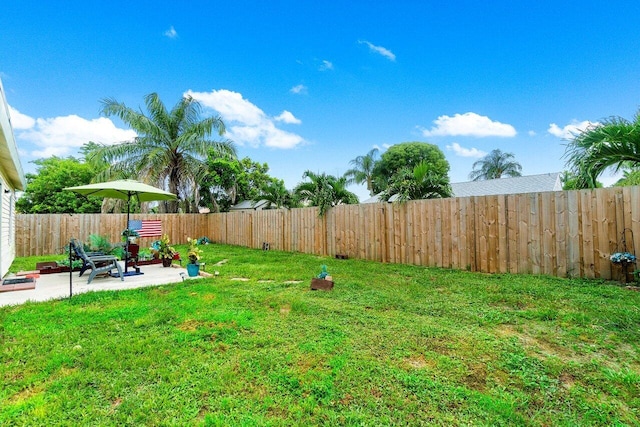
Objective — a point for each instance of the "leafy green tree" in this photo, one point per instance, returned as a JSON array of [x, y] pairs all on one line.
[[170, 148], [45, 194], [218, 186], [363, 170], [253, 179], [229, 181], [418, 182], [495, 165], [615, 143], [324, 191], [408, 155]]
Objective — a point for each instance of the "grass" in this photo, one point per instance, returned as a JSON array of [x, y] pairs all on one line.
[[390, 345]]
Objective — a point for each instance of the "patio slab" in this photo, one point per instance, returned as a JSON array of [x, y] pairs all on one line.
[[56, 285]]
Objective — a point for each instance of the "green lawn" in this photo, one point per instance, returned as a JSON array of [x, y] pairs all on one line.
[[390, 345]]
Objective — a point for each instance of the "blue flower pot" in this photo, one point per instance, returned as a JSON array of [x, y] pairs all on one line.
[[193, 270]]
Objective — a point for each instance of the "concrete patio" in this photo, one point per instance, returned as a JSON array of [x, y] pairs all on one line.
[[56, 286]]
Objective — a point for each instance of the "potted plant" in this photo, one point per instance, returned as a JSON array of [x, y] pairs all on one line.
[[130, 234], [322, 281], [624, 260], [144, 255], [165, 251], [193, 267]]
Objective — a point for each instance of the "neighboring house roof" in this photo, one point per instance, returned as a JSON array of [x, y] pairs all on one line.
[[521, 184], [10, 167], [376, 199], [250, 205]]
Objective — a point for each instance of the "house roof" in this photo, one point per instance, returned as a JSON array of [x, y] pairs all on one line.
[[10, 166], [376, 199], [250, 205], [521, 184]]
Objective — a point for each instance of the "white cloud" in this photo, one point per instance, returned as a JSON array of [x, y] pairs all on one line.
[[326, 65], [246, 123], [469, 124], [383, 148], [60, 136], [570, 130], [466, 152], [266, 134], [299, 89], [289, 118], [231, 106], [532, 133], [379, 50], [20, 121], [171, 33]]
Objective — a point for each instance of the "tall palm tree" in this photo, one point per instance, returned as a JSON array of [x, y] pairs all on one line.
[[495, 165], [419, 182], [614, 143], [324, 191], [170, 148], [363, 170]]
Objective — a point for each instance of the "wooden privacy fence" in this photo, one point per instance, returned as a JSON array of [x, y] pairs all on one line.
[[44, 234], [565, 234]]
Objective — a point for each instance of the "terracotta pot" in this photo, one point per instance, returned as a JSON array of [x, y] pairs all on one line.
[[166, 262]]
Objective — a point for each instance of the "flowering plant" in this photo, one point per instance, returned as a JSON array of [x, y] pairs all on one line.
[[620, 257], [194, 251], [164, 249]]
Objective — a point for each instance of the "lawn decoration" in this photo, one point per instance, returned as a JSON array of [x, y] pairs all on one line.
[[204, 240], [624, 257], [323, 281]]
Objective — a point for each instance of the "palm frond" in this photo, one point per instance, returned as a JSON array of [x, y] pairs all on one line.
[[171, 146], [612, 144]]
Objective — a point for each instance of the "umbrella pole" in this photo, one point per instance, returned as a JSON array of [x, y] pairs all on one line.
[[70, 272], [126, 244]]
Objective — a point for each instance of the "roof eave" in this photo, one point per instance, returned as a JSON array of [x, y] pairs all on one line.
[[11, 168]]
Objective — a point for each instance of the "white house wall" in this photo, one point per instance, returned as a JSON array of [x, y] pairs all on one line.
[[7, 227], [12, 179]]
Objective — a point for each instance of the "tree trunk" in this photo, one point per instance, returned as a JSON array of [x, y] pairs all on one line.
[[172, 205]]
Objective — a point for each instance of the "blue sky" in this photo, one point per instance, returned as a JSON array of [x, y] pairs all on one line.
[[311, 85]]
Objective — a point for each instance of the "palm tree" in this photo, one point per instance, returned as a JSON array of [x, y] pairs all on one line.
[[419, 182], [614, 143], [170, 148], [629, 177], [324, 191], [495, 165], [277, 196], [363, 170]]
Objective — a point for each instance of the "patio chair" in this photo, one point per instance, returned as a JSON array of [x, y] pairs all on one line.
[[98, 264], [76, 247]]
